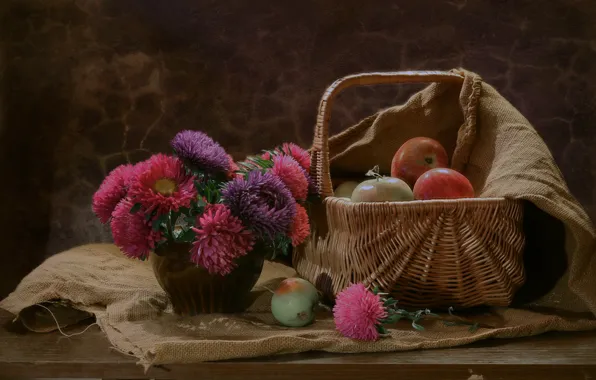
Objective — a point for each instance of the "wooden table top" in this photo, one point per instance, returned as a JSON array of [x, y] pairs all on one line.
[[549, 356]]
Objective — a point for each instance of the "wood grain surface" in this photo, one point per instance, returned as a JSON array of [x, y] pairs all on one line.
[[549, 356]]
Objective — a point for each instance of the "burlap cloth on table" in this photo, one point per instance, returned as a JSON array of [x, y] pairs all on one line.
[[508, 159]]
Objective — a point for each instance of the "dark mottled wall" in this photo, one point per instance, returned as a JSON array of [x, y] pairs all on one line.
[[89, 84]]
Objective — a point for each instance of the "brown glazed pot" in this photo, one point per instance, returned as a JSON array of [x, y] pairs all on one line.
[[192, 290]]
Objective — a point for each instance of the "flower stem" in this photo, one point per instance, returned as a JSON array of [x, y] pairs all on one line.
[[395, 314], [170, 229]]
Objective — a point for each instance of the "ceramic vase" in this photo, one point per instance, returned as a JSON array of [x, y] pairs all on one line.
[[192, 290]]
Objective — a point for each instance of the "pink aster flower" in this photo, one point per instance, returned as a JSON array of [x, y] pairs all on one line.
[[233, 168], [162, 185], [290, 149], [111, 191], [292, 175], [138, 169], [131, 232], [220, 239], [300, 155], [300, 228], [358, 312]]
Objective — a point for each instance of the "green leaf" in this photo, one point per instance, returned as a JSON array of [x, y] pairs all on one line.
[[135, 208], [381, 329], [157, 223], [275, 152], [196, 171], [208, 194], [150, 215], [393, 318], [282, 244], [240, 172], [209, 188], [262, 163], [255, 163], [186, 236], [417, 326], [389, 302]]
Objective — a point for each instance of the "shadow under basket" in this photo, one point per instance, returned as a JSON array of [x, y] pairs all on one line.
[[192, 290]]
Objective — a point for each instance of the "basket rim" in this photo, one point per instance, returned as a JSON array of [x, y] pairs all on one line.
[[421, 203]]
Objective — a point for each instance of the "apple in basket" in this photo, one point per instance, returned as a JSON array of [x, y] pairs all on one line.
[[382, 189], [443, 183], [346, 189], [416, 156]]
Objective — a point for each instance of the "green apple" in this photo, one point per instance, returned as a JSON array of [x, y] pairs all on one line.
[[382, 189], [345, 190], [294, 301]]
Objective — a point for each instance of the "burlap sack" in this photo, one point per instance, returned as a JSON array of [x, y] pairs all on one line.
[[508, 158]]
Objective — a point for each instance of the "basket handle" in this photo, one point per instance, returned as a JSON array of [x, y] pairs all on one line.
[[320, 149]]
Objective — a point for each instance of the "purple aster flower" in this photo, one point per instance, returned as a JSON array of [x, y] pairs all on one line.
[[262, 202], [199, 151]]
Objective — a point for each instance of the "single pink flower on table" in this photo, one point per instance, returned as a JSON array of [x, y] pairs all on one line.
[[131, 232], [358, 312], [292, 175], [300, 228], [111, 191], [162, 184], [221, 238]]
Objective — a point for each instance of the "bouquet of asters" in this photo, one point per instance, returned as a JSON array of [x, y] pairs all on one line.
[[200, 197]]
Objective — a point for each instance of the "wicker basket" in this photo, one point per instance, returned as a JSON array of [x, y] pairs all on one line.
[[439, 253]]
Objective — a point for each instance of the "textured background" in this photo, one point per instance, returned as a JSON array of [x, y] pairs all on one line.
[[87, 85]]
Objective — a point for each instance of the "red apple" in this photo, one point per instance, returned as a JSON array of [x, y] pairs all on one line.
[[416, 156], [443, 183]]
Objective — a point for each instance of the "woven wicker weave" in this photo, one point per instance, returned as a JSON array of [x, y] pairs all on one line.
[[463, 253]]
